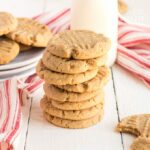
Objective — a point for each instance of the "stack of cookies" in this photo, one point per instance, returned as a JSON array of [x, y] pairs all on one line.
[[19, 34], [75, 72]]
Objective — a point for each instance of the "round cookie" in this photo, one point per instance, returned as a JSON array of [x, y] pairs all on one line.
[[63, 96], [8, 23], [78, 44], [24, 47], [47, 107], [8, 50], [30, 32], [94, 84], [122, 6], [52, 77], [141, 143], [79, 105], [74, 124], [71, 66]]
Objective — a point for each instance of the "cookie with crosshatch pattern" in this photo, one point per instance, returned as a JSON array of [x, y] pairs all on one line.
[[48, 107], [30, 32], [64, 96], [79, 105], [71, 66], [78, 44], [138, 125], [99, 81], [141, 143], [8, 23], [52, 77], [74, 124], [8, 50]]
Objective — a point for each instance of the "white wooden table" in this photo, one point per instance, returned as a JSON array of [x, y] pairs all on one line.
[[125, 95]]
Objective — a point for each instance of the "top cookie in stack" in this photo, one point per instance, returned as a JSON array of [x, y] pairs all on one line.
[[73, 67], [73, 57]]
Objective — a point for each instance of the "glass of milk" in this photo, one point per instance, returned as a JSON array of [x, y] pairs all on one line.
[[100, 16]]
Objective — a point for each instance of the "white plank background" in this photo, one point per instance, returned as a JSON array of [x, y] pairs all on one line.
[[125, 95]]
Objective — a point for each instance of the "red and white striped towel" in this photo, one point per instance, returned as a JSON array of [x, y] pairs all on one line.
[[133, 55]]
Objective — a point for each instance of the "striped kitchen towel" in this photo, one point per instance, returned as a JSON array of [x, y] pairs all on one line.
[[133, 42], [133, 55]]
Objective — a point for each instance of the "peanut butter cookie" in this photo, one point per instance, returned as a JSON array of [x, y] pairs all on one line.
[[30, 32], [99, 81], [8, 23], [62, 95], [52, 77], [73, 124], [47, 107], [8, 50], [71, 66], [78, 44]]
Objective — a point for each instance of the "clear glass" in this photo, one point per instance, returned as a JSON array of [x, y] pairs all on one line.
[[100, 16]]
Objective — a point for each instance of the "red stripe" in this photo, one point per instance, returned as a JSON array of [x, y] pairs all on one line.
[[57, 17], [124, 34], [135, 42], [30, 88], [132, 70], [135, 58], [8, 106], [1, 106], [16, 127], [36, 17]]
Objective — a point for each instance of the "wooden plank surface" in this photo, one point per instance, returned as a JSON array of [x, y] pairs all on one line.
[[125, 95], [132, 96], [50, 137]]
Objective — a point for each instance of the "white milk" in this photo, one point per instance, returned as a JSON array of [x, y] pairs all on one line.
[[100, 16]]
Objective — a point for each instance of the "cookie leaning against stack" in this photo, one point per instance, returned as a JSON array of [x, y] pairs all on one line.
[[75, 72]]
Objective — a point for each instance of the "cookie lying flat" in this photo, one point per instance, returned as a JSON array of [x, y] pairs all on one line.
[[8, 23], [69, 114], [63, 96], [141, 143], [8, 50], [78, 44], [31, 32], [52, 77], [79, 105], [24, 47], [138, 125], [122, 6], [99, 81], [74, 124], [72, 66]]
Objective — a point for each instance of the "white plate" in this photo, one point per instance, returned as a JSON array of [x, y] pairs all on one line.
[[24, 58], [16, 70], [20, 74]]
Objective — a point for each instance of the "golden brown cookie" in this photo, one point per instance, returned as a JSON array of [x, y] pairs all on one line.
[[30, 32], [8, 23], [63, 96], [52, 77], [122, 6], [78, 44], [74, 124], [71, 66], [24, 47], [138, 125], [141, 143], [8, 50], [79, 105], [99, 81], [47, 107]]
